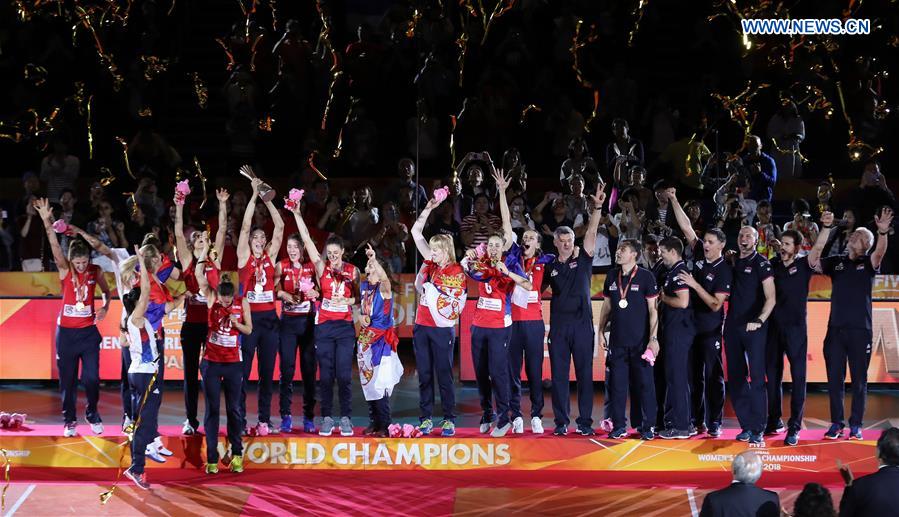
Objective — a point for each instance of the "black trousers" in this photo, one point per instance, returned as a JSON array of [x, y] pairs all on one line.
[[379, 412], [708, 378], [746, 374], [852, 345], [218, 377], [434, 349], [490, 355], [74, 348], [146, 432], [125, 385], [626, 369], [193, 335], [297, 333], [678, 340], [335, 345], [791, 340], [526, 342], [264, 338], [572, 341]]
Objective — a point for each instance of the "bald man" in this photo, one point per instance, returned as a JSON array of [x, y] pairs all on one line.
[[742, 497]]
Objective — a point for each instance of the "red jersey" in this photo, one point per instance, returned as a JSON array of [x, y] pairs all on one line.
[[294, 280], [494, 309], [196, 308], [333, 284], [534, 309], [78, 298], [223, 341], [257, 283], [449, 279]]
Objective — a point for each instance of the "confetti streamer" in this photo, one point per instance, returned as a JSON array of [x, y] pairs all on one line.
[[462, 45], [738, 107], [108, 177], [413, 23], [576, 44], [253, 52], [593, 113], [526, 110], [501, 8], [202, 178], [311, 162], [6, 478], [697, 152], [200, 89], [90, 131], [334, 78], [349, 114], [36, 75], [145, 112], [266, 123], [795, 152], [153, 66], [171, 9], [228, 53], [124, 145], [133, 201], [638, 14]]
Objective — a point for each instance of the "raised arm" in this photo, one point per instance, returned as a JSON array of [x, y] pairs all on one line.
[[140, 309], [184, 254], [96, 243], [418, 228], [222, 195], [386, 290], [814, 255], [311, 251], [590, 235], [243, 241], [502, 183], [682, 220], [884, 221], [43, 208], [274, 246]]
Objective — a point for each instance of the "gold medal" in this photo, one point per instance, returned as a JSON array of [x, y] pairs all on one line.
[[79, 306], [258, 288], [622, 303]]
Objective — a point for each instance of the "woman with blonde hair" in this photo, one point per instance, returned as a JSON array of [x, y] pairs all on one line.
[[440, 284]]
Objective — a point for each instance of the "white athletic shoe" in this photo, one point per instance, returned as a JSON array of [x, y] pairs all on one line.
[[126, 423], [518, 425], [188, 430], [153, 454], [97, 428], [69, 430], [161, 448], [500, 431], [536, 425]]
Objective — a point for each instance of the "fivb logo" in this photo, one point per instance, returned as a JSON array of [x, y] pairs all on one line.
[[806, 26]]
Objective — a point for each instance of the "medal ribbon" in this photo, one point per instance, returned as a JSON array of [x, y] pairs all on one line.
[[622, 293]]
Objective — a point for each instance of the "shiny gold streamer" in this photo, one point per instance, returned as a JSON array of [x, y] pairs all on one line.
[[738, 106], [228, 53], [349, 114], [462, 45], [593, 113], [578, 43], [6, 478], [108, 177], [638, 14], [90, 131], [526, 110], [202, 179], [124, 145], [334, 78], [413, 23], [311, 162], [795, 152], [200, 89], [501, 8]]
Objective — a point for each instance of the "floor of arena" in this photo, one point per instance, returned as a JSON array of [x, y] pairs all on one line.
[[187, 491]]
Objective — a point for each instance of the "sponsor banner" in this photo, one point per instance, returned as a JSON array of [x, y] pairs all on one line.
[[884, 365], [448, 454]]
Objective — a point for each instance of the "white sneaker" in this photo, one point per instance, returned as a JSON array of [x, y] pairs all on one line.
[[97, 428], [518, 425], [536, 425], [188, 430], [126, 423], [153, 454], [500, 431], [161, 448], [69, 430]]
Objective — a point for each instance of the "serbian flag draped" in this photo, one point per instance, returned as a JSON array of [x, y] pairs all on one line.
[[380, 368]]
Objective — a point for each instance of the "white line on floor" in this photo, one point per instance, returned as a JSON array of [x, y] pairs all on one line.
[[693, 511], [21, 500]]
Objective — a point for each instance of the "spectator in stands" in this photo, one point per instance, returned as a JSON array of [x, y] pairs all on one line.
[[390, 237], [824, 195], [32, 239], [742, 497], [761, 169], [871, 193], [768, 231], [874, 494], [139, 225], [406, 170], [802, 223], [738, 186], [787, 130], [580, 162], [814, 501], [110, 232], [576, 201], [554, 216], [629, 220], [837, 244], [361, 224], [59, 169], [31, 186], [606, 241], [481, 224], [657, 216], [521, 217]]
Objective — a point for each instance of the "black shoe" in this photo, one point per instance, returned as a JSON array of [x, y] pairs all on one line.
[[560, 430], [618, 434], [693, 430], [647, 435], [674, 434], [585, 430], [835, 431], [756, 439], [792, 438], [715, 430], [744, 436], [775, 428]]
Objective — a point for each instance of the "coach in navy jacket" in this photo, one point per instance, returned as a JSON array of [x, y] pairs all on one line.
[[878, 493], [742, 498]]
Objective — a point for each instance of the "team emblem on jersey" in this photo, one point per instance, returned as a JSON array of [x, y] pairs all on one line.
[[839, 267]]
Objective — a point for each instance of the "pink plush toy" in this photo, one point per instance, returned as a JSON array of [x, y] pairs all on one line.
[[293, 199], [60, 226], [481, 250], [395, 430], [649, 357], [306, 285], [182, 189], [441, 193]]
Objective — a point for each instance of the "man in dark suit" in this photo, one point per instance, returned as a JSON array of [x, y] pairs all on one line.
[[742, 497], [877, 493]]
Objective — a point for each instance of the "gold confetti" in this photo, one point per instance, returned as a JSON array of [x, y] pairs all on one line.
[[124, 145], [526, 110], [90, 131], [501, 8], [200, 89], [638, 14], [413, 23], [35, 74], [153, 66], [202, 178], [108, 177], [311, 162]]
